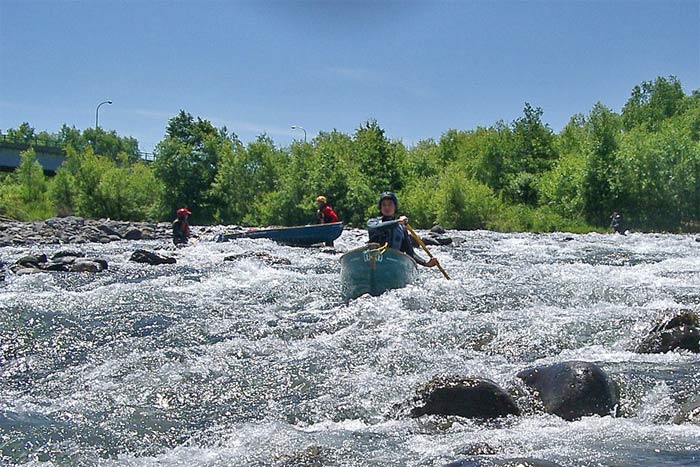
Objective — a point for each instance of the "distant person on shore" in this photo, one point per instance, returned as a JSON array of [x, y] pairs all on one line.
[[325, 212], [387, 229], [616, 223], [181, 229]]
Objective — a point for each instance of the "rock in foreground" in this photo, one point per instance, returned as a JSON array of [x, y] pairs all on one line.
[[572, 390], [464, 396]]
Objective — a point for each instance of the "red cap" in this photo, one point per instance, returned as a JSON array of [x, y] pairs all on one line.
[[182, 212]]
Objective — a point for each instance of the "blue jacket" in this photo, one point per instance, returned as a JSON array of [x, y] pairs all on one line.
[[388, 230]]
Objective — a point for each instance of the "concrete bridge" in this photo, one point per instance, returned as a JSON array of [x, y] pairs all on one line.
[[48, 155]]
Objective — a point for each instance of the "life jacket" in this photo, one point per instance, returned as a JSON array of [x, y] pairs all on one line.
[[394, 236], [329, 215]]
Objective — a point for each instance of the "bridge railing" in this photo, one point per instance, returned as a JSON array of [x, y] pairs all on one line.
[[44, 142]]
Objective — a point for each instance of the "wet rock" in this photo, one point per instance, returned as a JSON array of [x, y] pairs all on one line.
[[464, 396], [108, 230], [264, 257], [514, 462], [689, 412], [133, 234], [65, 260], [442, 239], [60, 267], [312, 456], [25, 271], [32, 260], [149, 257], [64, 253], [572, 390], [679, 332], [438, 229], [477, 449], [430, 241], [86, 265]]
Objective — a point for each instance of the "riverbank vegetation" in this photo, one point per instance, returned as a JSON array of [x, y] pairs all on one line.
[[517, 176]]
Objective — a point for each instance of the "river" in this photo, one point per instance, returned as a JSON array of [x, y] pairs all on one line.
[[215, 363]]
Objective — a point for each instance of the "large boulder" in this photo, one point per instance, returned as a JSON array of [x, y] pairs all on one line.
[[463, 396], [573, 390], [109, 230], [679, 332], [149, 257]]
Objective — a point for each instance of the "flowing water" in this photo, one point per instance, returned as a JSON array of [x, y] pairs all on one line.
[[214, 363]]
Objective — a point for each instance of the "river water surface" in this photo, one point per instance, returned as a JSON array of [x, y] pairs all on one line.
[[214, 363]]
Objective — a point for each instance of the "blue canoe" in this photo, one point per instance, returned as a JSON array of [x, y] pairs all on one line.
[[373, 270], [304, 235]]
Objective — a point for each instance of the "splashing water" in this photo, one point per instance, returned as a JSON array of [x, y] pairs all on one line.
[[213, 363]]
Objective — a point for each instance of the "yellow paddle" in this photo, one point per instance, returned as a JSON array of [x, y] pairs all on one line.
[[425, 248]]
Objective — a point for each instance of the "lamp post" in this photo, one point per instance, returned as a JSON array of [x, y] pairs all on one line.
[[97, 113], [296, 127]]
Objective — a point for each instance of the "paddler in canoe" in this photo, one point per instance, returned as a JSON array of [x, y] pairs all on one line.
[[387, 229], [325, 213]]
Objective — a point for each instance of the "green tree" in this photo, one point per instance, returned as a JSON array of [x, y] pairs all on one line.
[[24, 195], [186, 161], [652, 102], [599, 197]]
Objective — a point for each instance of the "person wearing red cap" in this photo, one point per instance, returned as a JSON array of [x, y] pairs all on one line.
[[181, 229], [325, 213]]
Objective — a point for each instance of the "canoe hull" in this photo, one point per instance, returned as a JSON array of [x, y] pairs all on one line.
[[304, 235], [366, 270]]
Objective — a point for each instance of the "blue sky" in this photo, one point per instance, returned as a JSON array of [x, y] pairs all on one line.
[[418, 68]]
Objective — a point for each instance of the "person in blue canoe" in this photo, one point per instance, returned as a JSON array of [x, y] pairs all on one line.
[[387, 229]]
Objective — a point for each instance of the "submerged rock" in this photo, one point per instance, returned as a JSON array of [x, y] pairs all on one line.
[[149, 257], [689, 412], [262, 256], [464, 396], [572, 390], [679, 332], [88, 265], [514, 462]]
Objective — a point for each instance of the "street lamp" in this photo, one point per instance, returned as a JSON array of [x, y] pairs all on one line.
[[97, 113], [295, 127]]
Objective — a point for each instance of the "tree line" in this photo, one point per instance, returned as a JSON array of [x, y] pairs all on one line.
[[517, 176]]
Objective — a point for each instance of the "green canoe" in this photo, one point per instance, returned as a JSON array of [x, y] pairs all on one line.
[[370, 269]]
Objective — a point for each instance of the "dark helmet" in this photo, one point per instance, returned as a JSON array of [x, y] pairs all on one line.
[[388, 195]]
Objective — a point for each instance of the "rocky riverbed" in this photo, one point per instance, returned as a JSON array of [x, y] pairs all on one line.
[[72, 229]]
